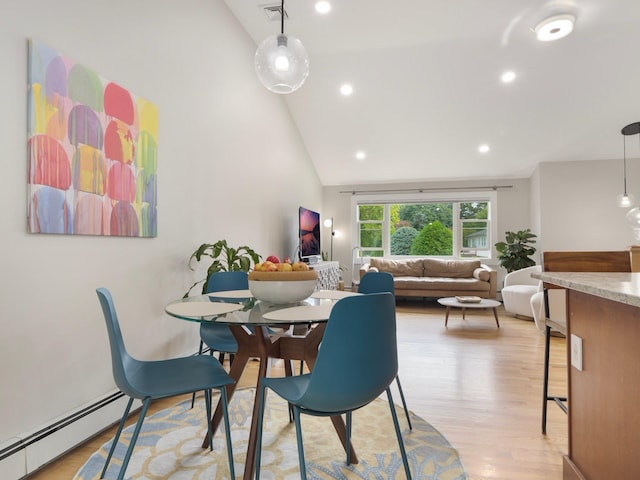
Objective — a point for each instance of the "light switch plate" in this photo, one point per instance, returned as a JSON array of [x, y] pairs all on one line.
[[576, 352]]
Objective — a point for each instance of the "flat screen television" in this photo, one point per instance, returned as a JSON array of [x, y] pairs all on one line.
[[309, 233]]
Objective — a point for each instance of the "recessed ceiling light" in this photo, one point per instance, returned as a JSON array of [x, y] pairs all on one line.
[[360, 155], [484, 148], [346, 89], [508, 77], [323, 7], [555, 27]]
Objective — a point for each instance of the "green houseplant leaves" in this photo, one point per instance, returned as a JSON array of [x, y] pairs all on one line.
[[515, 252], [224, 259]]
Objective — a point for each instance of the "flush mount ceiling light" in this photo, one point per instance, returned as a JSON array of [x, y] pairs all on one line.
[[555, 27], [282, 63]]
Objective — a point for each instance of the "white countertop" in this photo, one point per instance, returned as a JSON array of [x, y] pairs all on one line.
[[619, 287]]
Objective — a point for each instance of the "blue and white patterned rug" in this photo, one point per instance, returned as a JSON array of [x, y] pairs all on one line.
[[169, 446]]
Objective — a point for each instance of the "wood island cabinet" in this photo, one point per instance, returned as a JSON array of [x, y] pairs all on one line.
[[603, 310]]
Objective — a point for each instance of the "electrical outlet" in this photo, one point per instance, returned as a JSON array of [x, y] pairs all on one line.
[[576, 352]]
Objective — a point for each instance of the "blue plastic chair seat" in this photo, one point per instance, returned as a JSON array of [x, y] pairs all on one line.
[[218, 337], [356, 363], [377, 282], [150, 380], [176, 376]]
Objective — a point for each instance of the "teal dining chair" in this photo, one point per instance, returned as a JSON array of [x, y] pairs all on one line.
[[357, 362], [377, 282], [151, 380], [216, 336]]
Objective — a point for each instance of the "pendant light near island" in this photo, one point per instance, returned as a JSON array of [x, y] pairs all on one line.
[[626, 200], [282, 63], [633, 215]]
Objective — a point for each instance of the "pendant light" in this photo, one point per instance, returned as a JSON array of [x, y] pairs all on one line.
[[282, 63], [625, 200], [633, 215]]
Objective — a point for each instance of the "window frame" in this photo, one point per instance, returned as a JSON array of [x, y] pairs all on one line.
[[456, 198]]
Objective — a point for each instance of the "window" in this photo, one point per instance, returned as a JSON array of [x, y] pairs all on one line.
[[474, 228], [424, 225], [370, 230]]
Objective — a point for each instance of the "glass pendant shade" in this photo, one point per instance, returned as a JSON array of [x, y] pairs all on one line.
[[625, 200], [282, 63], [633, 217]]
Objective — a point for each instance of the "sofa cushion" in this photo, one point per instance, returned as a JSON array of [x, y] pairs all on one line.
[[437, 267], [399, 268], [440, 283]]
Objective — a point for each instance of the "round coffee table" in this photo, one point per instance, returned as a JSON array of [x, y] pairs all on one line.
[[452, 302]]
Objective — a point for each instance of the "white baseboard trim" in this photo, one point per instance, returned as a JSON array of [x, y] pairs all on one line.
[[32, 450], [14, 466]]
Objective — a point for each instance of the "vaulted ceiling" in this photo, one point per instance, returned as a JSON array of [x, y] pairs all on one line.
[[427, 89]]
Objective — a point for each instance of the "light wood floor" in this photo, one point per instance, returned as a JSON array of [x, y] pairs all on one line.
[[480, 386]]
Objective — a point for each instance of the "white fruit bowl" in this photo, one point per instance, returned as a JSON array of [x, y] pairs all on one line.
[[282, 287]]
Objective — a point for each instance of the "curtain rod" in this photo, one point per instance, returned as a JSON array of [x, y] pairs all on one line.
[[432, 189]]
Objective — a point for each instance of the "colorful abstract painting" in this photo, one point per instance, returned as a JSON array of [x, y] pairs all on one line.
[[93, 151]]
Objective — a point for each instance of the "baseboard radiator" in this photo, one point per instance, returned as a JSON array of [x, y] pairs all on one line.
[[23, 455]]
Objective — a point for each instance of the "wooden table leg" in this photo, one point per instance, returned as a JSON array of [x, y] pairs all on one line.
[[446, 316], [495, 314]]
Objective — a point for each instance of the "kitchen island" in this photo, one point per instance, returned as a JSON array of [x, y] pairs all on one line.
[[603, 310]]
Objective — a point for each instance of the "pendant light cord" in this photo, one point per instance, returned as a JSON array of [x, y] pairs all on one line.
[[624, 153], [282, 18]]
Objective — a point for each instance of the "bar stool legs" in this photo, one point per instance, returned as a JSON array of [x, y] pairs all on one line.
[[560, 401]]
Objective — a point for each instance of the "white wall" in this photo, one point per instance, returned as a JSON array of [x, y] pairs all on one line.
[[578, 205], [231, 165]]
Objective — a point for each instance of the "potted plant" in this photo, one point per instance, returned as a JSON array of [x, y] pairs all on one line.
[[515, 252], [225, 259]]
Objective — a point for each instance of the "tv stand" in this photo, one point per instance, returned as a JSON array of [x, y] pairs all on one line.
[[328, 274]]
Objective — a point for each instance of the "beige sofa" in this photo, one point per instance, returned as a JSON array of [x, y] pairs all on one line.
[[434, 277]]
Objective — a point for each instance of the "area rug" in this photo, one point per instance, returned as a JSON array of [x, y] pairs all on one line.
[[169, 446]]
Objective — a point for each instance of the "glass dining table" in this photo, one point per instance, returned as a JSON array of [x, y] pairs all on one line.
[[291, 332]]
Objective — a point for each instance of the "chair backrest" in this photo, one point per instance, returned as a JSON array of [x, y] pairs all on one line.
[[599, 261], [377, 282], [221, 281], [596, 261], [358, 358], [121, 361], [523, 276]]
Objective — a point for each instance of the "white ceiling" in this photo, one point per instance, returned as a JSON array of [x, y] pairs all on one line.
[[427, 89]]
